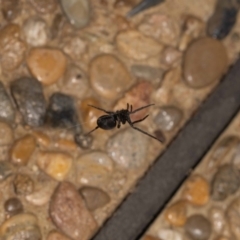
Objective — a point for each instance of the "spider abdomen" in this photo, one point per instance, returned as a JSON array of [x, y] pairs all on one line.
[[106, 122]]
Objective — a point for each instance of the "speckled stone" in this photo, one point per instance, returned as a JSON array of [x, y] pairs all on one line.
[[128, 155], [44, 6], [7, 111], [205, 61], [135, 45], [225, 182], [169, 234], [69, 214], [23, 184], [21, 226], [36, 31], [94, 197], [46, 64], [108, 76], [7, 132], [217, 218], [170, 57], [29, 98], [94, 168], [198, 227], [168, 118], [77, 11], [10, 9]]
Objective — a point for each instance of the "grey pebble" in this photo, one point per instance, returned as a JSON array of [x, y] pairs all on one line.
[[28, 95], [6, 169]]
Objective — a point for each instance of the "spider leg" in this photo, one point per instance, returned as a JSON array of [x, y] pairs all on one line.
[[140, 120], [138, 109], [92, 130], [101, 109], [130, 108]]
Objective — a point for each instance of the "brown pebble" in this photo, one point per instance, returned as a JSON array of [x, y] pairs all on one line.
[[196, 190], [109, 76], [205, 61], [170, 57], [69, 214], [22, 150], [94, 197], [149, 237], [54, 235], [46, 64], [42, 138], [10, 9], [66, 144], [7, 132], [176, 214], [23, 184]]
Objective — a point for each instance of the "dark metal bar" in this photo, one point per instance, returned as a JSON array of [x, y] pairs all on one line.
[[161, 181]]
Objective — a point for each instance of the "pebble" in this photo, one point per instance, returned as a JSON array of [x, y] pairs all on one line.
[[94, 168], [94, 197], [77, 11], [170, 57], [75, 82], [161, 27], [120, 3], [233, 217], [205, 61], [45, 6], [108, 76], [6, 169], [57, 24], [66, 144], [29, 98], [21, 226], [149, 237], [41, 138], [196, 190], [138, 96], [198, 227], [147, 72], [217, 218], [23, 184], [169, 234], [83, 141], [168, 118], [225, 182], [12, 47], [56, 164], [10, 9], [22, 150], [47, 64], [7, 111], [176, 214], [69, 214], [7, 132], [128, 148], [54, 235], [36, 31], [61, 111], [134, 45], [13, 206]]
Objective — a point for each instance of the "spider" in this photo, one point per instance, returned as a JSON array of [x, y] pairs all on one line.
[[115, 119]]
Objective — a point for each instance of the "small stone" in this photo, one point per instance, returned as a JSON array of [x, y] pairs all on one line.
[[120, 3], [135, 45], [69, 214], [198, 227], [10, 9], [54, 235], [6, 169], [23, 184], [168, 118], [44, 6], [61, 111], [169, 234], [29, 98], [77, 11], [196, 190], [42, 138], [94, 197], [57, 165], [75, 82], [149, 237], [13, 206], [170, 57], [225, 182], [161, 27], [36, 31], [57, 25], [7, 132], [94, 168], [21, 226], [22, 150], [205, 61], [46, 64], [176, 214], [128, 148], [12, 48], [83, 141], [138, 96], [217, 218], [7, 111], [109, 77], [66, 144], [147, 72]]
